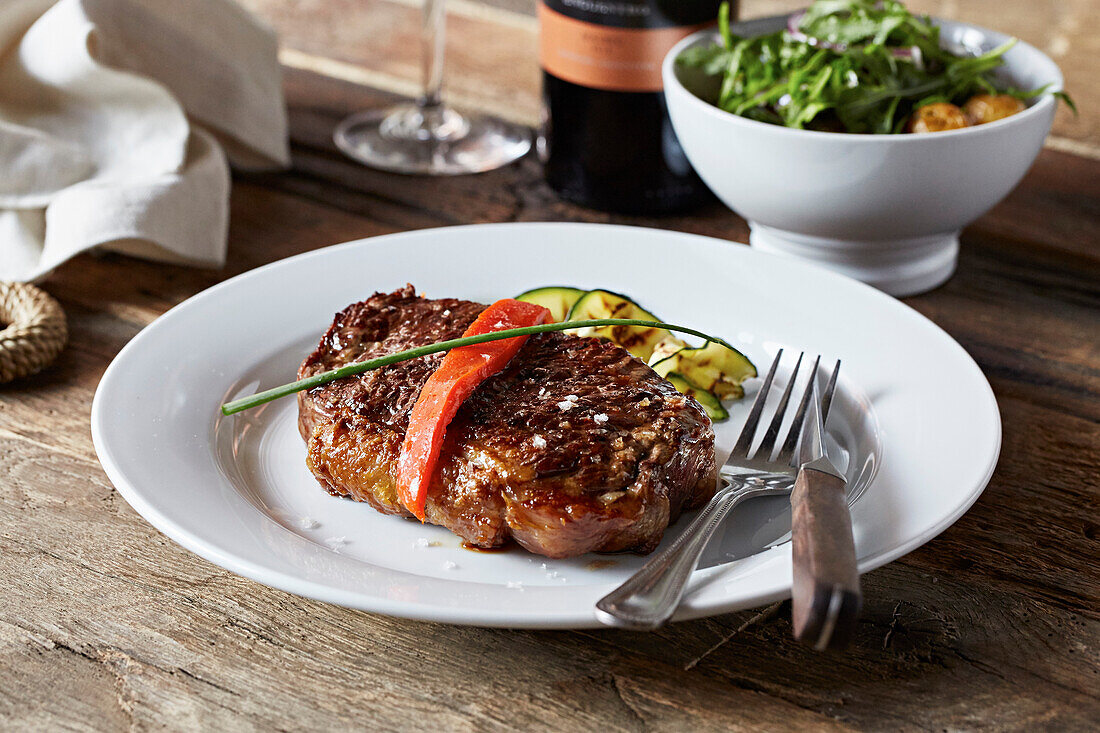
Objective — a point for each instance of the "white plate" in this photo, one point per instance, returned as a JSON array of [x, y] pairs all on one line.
[[915, 420]]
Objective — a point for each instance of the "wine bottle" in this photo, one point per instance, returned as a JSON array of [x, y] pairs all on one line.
[[605, 139]]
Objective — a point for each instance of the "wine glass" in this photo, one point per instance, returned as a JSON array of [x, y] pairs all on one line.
[[428, 137]]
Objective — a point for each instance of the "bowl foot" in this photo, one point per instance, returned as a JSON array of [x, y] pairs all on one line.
[[899, 267]]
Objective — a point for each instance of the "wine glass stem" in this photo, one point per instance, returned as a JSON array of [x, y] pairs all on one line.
[[432, 38]]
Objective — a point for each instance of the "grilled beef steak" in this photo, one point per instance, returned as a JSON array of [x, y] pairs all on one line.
[[575, 447]]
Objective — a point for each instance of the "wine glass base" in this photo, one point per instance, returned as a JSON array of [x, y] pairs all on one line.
[[434, 141]]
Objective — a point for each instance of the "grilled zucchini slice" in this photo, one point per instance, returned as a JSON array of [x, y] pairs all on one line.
[[712, 367], [708, 374], [711, 404], [638, 340], [559, 299]]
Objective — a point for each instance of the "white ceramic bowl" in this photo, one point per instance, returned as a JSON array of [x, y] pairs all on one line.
[[886, 209]]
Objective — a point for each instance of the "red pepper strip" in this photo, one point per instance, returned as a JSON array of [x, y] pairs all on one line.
[[460, 373]]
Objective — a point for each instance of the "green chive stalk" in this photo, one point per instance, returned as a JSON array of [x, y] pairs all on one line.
[[348, 370]]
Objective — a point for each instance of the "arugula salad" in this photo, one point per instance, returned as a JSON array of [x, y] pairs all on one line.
[[857, 66]]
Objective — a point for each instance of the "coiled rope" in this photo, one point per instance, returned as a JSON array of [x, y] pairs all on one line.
[[34, 330]]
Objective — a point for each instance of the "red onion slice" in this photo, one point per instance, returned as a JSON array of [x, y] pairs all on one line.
[[912, 53], [792, 24]]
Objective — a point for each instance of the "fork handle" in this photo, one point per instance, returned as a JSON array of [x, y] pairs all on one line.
[[825, 597], [649, 597]]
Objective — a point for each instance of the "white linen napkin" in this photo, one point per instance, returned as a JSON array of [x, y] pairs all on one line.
[[116, 117]]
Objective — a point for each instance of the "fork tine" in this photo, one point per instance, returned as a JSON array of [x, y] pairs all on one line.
[[787, 452], [827, 399], [768, 443], [744, 442]]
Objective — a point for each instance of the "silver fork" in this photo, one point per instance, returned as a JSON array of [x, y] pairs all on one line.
[[649, 597]]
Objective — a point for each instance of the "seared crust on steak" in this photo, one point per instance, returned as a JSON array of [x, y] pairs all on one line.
[[576, 446]]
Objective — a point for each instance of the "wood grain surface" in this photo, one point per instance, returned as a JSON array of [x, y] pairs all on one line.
[[106, 624]]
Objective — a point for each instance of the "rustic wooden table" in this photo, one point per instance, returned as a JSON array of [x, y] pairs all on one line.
[[107, 624]]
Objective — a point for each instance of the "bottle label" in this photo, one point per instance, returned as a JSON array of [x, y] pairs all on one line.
[[617, 45]]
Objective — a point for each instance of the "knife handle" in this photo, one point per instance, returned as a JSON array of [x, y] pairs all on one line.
[[825, 597]]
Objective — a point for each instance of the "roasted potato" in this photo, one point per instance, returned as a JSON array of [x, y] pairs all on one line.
[[937, 118], [983, 108]]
